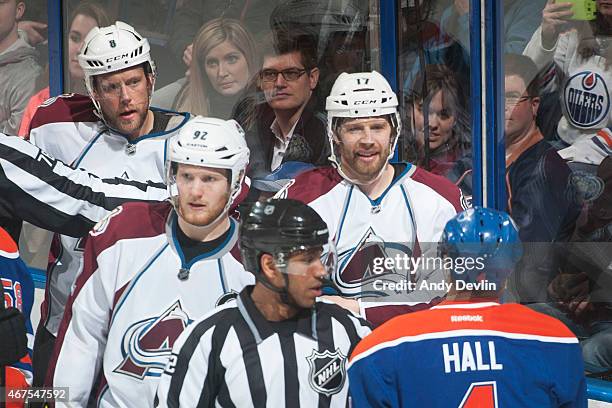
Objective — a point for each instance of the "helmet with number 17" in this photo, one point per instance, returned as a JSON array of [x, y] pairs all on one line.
[[111, 49], [356, 96], [211, 143]]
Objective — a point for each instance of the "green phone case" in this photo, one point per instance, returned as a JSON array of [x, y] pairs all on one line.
[[583, 9]]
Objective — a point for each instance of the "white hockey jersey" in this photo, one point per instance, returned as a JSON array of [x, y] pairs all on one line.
[[590, 150], [129, 305], [67, 128], [407, 220]]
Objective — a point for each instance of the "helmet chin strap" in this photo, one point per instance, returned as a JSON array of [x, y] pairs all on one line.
[[283, 292]]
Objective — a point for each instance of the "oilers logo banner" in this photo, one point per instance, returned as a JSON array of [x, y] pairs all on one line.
[[587, 100]]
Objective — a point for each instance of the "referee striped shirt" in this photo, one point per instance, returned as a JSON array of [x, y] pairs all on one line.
[[234, 357], [37, 188]]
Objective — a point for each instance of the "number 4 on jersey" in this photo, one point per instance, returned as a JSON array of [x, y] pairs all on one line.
[[480, 395]]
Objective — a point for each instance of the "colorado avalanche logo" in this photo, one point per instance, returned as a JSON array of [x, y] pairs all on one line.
[[147, 344], [360, 266], [587, 101], [327, 373]]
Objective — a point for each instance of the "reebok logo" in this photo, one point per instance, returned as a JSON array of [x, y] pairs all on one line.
[[466, 318]]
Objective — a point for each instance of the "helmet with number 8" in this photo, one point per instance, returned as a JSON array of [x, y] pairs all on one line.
[[111, 49], [209, 142], [360, 95]]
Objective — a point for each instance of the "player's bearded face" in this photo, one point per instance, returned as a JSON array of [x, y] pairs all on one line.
[[124, 99], [202, 193], [364, 145]]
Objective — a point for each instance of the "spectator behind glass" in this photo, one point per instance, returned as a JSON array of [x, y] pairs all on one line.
[[85, 16], [193, 14], [340, 29], [34, 24], [539, 196], [422, 44], [287, 126], [18, 67], [581, 294], [447, 129], [521, 18], [577, 57], [222, 64]]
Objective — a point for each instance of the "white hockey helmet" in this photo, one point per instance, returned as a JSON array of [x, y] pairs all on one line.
[[110, 49], [209, 142], [361, 95]]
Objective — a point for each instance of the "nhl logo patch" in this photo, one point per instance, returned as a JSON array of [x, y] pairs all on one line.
[[587, 101], [327, 373], [130, 149]]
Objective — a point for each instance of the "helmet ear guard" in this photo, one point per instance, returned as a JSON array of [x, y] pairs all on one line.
[[283, 228]]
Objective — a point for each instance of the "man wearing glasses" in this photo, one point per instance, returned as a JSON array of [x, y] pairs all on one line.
[[539, 191], [544, 203], [536, 176], [288, 127]]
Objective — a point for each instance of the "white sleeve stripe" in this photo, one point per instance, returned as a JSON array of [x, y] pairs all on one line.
[[49, 195], [17, 143], [461, 333]]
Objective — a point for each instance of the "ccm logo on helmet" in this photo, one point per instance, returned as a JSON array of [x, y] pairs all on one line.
[[366, 102], [118, 57]]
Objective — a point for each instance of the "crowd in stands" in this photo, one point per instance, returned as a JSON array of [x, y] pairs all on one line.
[[273, 66]]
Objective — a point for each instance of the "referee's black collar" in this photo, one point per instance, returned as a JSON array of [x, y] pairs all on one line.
[[262, 329]]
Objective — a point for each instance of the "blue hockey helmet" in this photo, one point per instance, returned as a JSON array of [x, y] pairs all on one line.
[[487, 236]]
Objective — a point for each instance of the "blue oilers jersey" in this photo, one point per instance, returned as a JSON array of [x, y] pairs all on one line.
[[18, 290], [469, 355]]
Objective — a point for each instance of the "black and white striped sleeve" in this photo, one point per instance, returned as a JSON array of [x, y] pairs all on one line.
[[46, 192], [189, 379]]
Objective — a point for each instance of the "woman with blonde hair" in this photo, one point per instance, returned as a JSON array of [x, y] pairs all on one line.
[[222, 64]]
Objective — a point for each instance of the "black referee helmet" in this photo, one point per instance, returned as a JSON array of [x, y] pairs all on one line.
[[279, 227]]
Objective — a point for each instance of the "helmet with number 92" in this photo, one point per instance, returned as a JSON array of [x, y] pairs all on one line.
[[206, 145]]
